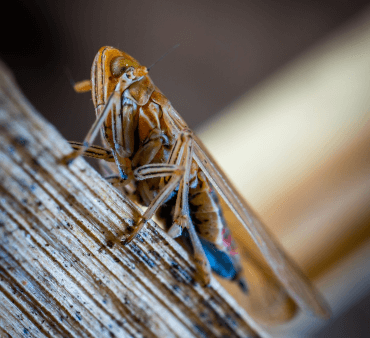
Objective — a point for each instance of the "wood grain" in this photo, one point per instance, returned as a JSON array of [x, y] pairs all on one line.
[[63, 271]]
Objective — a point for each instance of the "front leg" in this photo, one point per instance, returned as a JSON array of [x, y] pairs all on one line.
[[114, 100], [89, 138], [93, 151], [107, 155]]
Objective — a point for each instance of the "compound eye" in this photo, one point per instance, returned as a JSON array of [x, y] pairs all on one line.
[[119, 65]]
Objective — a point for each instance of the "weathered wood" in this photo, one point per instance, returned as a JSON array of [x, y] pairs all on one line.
[[63, 271]]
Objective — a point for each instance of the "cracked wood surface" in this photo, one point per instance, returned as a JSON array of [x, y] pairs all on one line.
[[63, 271]]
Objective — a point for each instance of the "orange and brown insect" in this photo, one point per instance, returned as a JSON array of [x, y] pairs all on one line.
[[163, 162]]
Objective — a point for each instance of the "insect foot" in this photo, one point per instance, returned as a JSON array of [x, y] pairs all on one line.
[[135, 231], [175, 230], [68, 159]]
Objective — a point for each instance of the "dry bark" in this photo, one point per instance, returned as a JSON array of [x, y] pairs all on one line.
[[63, 271]]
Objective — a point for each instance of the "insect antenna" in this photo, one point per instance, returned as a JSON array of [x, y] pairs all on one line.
[[165, 54]]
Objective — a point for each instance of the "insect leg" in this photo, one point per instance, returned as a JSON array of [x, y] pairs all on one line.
[[147, 154], [150, 148], [94, 128], [182, 216], [175, 155], [94, 151], [156, 170], [173, 169], [123, 127], [176, 175], [116, 180]]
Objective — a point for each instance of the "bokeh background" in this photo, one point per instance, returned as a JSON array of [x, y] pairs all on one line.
[[278, 90]]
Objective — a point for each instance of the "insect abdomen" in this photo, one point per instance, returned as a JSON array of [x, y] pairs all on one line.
[[207, 217], [205, 211]]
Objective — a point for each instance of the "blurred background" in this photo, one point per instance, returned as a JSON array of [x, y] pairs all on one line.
[[277, 90]]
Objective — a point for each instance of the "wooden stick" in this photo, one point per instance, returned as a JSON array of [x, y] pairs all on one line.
[[63, 271]]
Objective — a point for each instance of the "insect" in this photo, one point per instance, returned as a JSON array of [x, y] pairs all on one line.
[[167, 168]]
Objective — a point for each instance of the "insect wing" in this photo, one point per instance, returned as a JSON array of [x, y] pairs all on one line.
[[296, 284], [290, 276]]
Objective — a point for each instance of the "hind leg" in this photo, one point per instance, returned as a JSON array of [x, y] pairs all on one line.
[[182, 215]]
